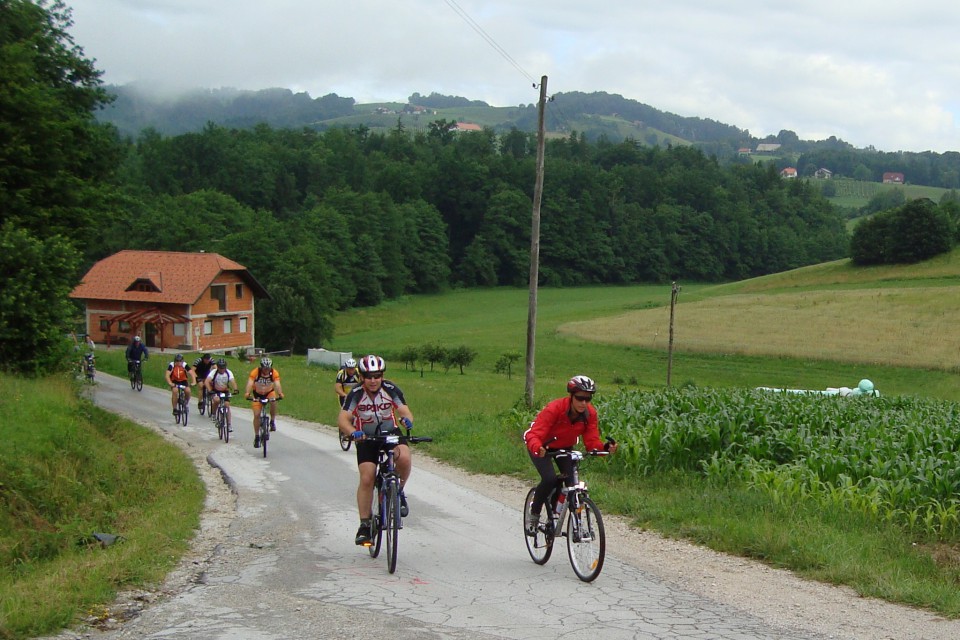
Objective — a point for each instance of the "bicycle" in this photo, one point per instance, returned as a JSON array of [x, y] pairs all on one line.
[[586, 541], [136, 376], [385, 508], [206, 401], [183, 407], [264, 421], [89, 367], [222, 416]]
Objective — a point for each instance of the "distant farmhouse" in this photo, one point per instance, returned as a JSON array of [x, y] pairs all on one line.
[[467, 126], [788, 172], [823, 173], [767, 147], [892, 177]]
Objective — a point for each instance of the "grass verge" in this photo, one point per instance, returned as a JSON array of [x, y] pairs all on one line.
[[69, 470]]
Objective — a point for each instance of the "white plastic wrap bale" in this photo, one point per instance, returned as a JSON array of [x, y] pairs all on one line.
[[326, 358]]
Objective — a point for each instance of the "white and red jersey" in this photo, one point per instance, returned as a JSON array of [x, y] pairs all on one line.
[[376, 414]]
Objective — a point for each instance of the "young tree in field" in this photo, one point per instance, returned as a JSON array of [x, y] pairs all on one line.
[[505, 362], [460, 357]]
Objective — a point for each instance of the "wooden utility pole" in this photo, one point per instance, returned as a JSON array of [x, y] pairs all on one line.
[[535, 247], [674, 293]]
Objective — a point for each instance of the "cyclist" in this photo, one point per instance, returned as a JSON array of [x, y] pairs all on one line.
[[347, 379], [201, 368], [372, 408], [136, 352], [263, 382], [179, 372], [220, 380], [560, 425]]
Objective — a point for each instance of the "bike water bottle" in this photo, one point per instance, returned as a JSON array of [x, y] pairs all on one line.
[[560, 500]]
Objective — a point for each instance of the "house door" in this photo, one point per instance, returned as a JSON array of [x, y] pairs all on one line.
[[150, 331]]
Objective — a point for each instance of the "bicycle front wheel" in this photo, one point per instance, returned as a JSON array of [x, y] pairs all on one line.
[[221, 425], [264, 432], [392, 524], [184, 410], [539, 541], [139, 380], [376, 522], [586, 542]]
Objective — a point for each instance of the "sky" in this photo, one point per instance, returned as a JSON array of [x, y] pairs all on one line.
[[881, 73]]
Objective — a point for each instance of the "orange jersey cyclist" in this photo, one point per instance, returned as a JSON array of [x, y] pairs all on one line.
[[263, 382], [376, 407]]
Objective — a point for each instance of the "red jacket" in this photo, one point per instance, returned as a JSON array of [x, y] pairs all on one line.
[[554, 421]]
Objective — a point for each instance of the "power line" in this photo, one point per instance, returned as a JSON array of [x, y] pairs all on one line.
[[493, 43]]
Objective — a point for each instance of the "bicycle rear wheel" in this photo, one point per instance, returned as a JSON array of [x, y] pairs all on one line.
[[586, 542], [203, 402], [392, 524], [540, 544], [376, 523]]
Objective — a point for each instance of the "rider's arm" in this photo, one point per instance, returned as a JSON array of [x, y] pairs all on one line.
[[276, 383], [249, 388], [539, 431], [166, 376], [591, 436], [345, 422], [404, 412]]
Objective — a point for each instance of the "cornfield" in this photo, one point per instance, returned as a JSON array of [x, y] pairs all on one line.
[[894, 458]]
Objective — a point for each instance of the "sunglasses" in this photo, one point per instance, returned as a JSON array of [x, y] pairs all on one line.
[[584, 398], [372, 376]]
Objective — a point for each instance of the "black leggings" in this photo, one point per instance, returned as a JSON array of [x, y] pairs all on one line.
[[548, 477]]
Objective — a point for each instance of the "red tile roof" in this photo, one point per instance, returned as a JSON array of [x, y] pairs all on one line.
[[173, 277]]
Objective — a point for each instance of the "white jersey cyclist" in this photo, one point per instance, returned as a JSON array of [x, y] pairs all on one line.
[[221, 381], [375, 415]]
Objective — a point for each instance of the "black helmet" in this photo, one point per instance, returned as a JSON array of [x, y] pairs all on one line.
[[206, 356], [581, 383], [221, 362], [178, 358]]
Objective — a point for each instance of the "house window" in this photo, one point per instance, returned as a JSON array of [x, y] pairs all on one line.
[[123, 326], [243, 324], [179, 329], [228, 326], [208, 327], [239, 291], [218, 292], [104, 326]]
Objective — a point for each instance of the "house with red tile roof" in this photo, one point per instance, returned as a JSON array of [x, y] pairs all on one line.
[[892, 177], [788, 172], [178, 300]]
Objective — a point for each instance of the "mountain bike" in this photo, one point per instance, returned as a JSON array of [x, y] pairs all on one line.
[[586, 542], [89, 367], [183, 407], [222, 415], [264, 421], [136, 376], [206, 401], [385, 510]]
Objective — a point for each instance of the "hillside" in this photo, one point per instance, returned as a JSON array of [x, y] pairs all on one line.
[[828, 312]]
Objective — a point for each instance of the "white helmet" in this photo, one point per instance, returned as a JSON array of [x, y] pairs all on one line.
[[350, 363], [372, 364]]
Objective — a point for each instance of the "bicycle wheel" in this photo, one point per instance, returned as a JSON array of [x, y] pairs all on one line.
[[345, 442], [138, 378], [264, 431], [376, 527], [184, 409], [540, 544], [226, 424], [133, 380], [203, 402], [392, 524], [221, 424], [586, 542]]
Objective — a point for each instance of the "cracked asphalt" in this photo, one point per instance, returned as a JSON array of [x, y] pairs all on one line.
[[275, 558]]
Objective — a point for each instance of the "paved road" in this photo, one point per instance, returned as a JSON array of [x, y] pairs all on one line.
[[282, 563]]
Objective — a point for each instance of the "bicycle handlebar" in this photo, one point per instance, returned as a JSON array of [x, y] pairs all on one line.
[[397, 438]]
